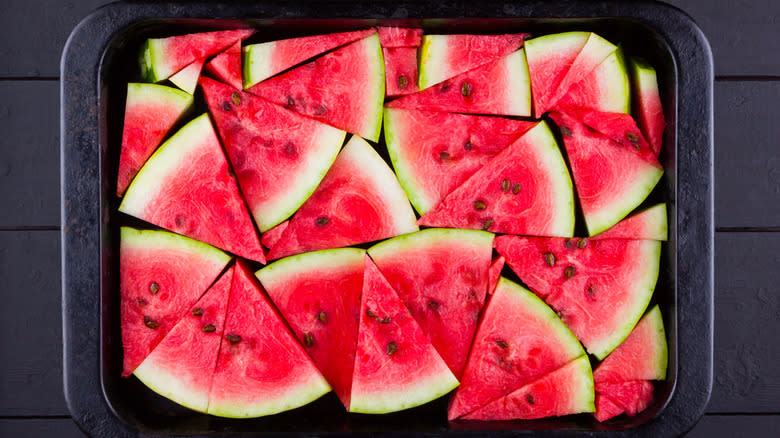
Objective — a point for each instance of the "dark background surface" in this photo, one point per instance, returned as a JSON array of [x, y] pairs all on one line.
[[745, 38]]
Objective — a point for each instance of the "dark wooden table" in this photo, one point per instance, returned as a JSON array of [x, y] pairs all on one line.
[[745, 38]]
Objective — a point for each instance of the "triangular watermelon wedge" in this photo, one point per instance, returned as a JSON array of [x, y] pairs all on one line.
[[162, 57], [647, 224], [261, 61], [395, 37], [446, 56], [344, 88], [279, 157], [611, 179], [494, 273], [358, 201], [519, 340], [181, 367], [606, 408], [187, 78], [186, 187], [150, 112], [441, 275], [567, 390], [227, 66], [647, 102], [501, 87], [261, 369], [599, 287], [434, 152], [318, 293], [632, 397], [396, 367], [525, 189], [161, 275], [605, 88]]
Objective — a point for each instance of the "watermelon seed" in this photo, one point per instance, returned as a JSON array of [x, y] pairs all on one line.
[[591, 292], [516, 188], [385, 320], [233, 339], [550, 259], [505, 185], [529, 398], [149, 323], [487, 223], [502, 344], [308, 340], [142, 302], [289, 148], [322, 317], [209, 328], [467, 146], [444, 156], [582, 243], [226, 106], [433, 305], [479, 205], [198, 311], [392, 347], [566, 132], [370, 313], [402, 82], [444, 87], [154, 288], [320, 110], [290, 101], [322, 221], [569, 272], [465, 89], [567, 243], [507, 366], [236, 98], [633, 138]]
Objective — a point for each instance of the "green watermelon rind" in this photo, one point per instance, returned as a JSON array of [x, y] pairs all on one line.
[[427, 238], [431, 45], [164, 95], [151, 69], [586, 402], [519, 88], [165, 382], [619, 84], [643, 74], [162, 240], [185, 79], [254, 70], [435, 387], [376, 59], [655, 228], [309, 262], [657, 322]]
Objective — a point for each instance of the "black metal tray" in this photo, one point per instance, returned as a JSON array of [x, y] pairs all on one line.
[[100, 58]]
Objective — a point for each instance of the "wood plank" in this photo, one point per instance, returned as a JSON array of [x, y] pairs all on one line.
[[747, 321], [743, 35], [31, 323], [40, 428], [733, 426], [747, 157], [29, 153]]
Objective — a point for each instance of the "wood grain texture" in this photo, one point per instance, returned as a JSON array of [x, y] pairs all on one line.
[[39, 428], [736, 426], [747, 154], [747, 322], [30, 320], [29, 153]]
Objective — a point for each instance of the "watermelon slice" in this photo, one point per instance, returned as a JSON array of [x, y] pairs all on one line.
[[318, 293], [393, 37], [525, 189], [599, 287], [434, 152], [400, 71], [150, 112], [261, 369], [162, 57], [160, 276], [567, 390], [620, 128], [261, 61], [494, 273], [344, 88], [186, 187], [187, 78], [611, 179], [647, 224], [358, 201], [647, 102], [441, 275], [446, 56], [632, 397], [605, 88], [279, 157], [182, 365], [501, 87], [606, 408], [396, 367], [227, 66], [519, 340]]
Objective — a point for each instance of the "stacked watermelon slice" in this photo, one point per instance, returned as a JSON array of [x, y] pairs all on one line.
[[494, 298]]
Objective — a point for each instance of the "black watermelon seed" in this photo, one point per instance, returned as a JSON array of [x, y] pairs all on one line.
[[392, 347], [233, 339], [209, 328]]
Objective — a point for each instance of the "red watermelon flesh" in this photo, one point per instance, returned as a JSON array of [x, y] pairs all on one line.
[[344, 88], [279, 157], [270, 237], [161, 276], [261, 61], [605, 88], [186, 187], [445, 56], [441, 275], [396, 367], [567, 390], [632, 396], [647, 224], [318, 293], [434, 152], [611, 179], [261, 369], [181, 367], [599, 287], [500, 87], [619, 127], [227, 66], [162, 57], [150, 112], [606, 408], [525, 189], [494, 273], [400, 71], [358, 201], [392, 37], [187, 78], [519, 340], [647, 102]]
